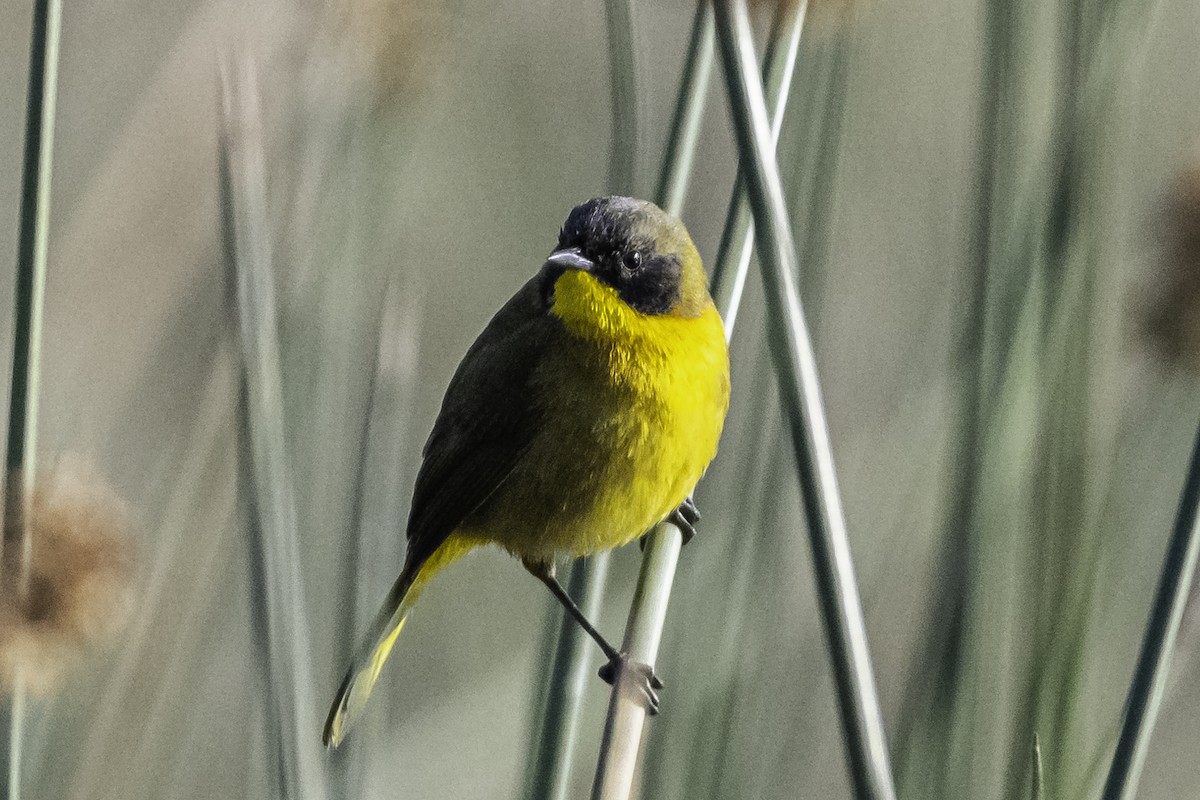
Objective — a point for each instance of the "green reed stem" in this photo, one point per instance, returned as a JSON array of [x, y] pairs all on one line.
[[689, 112], [622, 67], [29, 300], [791, 347]]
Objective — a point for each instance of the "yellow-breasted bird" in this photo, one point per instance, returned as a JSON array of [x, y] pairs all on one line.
[[583, 415]]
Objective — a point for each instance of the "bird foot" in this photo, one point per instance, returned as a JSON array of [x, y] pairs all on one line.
[[685, 518], [641, 679]]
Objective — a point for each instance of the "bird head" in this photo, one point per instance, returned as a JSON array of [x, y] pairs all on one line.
[[639, 251]]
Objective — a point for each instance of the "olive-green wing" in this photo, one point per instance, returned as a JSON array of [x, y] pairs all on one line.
[[489, 416]]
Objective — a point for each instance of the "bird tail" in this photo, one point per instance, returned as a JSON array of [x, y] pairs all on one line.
[[368, 661], [377, 644]]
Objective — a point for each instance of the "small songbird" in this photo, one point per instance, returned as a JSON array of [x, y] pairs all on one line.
[[583, 415]]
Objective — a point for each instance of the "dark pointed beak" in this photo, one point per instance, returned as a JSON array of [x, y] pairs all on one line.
[[571, 258]]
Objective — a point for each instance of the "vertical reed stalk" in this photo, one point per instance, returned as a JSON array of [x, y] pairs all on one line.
[[689, 112], [1154, 661], [291, 708], [621, 741], [622, 67], [858, 702], [626, 721], [33, 238], [625, 725], [555, 744]]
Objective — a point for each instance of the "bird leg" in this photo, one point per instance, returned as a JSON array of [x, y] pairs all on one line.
[[645, 679], [546, 574]]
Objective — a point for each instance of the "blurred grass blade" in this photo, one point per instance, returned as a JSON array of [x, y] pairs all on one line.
[[858, 701], [1154, 661], [33, 237], [289, 682], [737, 240], [689, 112]]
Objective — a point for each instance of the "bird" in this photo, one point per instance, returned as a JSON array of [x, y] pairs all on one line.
[[583, 415]]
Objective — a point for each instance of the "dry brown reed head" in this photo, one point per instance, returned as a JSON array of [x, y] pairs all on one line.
[[1171, 318], [79, 591]]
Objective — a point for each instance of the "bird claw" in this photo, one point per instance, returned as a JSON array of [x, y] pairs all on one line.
[[685, 518], [642, 679]]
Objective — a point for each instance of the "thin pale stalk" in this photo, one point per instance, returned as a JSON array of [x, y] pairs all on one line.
[[616, 771], [689, 112], [1154, 662], [791, 347], [29, 301], [290, 687], [554, 747], [621, 741], [625, 725]]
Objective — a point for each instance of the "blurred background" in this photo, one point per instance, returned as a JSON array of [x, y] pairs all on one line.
[[981, 195]]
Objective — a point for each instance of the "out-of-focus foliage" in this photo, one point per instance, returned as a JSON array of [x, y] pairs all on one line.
[[1009, 459]]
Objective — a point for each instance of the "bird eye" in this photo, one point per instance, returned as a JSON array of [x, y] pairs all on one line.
[[632, 261]]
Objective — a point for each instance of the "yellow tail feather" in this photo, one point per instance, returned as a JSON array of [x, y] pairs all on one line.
[[373, 652], [364, 672]]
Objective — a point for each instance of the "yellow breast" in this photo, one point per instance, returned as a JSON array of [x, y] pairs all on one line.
[[642, 347], [636, 410]]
